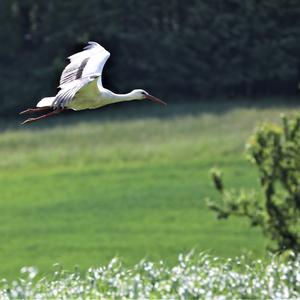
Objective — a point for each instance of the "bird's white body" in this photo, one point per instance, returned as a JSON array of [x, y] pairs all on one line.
[[81, 85], [92, 96]]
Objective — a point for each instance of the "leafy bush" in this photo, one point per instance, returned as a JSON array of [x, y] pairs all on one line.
[[193, 277], [275, 151]]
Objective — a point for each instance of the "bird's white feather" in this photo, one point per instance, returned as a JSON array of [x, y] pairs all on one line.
[[96, 62], [48, 101], [87, 63]]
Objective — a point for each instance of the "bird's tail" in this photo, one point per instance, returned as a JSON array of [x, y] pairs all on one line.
[[48, 101]]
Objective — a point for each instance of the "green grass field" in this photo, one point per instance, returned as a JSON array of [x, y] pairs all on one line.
[[129, 181]]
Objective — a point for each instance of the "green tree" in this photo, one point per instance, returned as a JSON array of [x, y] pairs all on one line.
[[275, 151]]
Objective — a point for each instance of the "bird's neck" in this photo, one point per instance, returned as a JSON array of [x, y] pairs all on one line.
[[122, 97]]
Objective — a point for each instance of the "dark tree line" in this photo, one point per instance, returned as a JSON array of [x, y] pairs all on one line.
[[184, 49]]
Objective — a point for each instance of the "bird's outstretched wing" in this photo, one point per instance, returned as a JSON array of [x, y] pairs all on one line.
[[68, 91], [87, 63], [83, 68]]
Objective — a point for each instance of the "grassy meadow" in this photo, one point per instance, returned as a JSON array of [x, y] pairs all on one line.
[[128, 181]]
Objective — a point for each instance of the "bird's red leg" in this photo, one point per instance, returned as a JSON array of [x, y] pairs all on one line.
[[54, 112], [33, 110]]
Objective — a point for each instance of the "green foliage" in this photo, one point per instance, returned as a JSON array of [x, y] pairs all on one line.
[[275, 151], [193, 277], [173, 48]]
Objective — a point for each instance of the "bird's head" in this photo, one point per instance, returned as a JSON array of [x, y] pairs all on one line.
[[141, 95]]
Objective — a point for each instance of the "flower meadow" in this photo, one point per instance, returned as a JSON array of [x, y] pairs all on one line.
[[194, 277]]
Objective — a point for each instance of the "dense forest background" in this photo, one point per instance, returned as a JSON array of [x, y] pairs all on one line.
[[189, 50]]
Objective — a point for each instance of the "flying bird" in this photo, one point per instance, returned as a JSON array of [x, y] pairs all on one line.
[[80, 86]]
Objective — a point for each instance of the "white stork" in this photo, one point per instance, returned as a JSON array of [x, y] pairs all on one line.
[[80, 86]]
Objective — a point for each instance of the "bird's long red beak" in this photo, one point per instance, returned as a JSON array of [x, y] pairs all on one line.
[[154, 99]]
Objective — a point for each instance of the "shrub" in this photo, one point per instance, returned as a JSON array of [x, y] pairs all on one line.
[[275, 151]]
